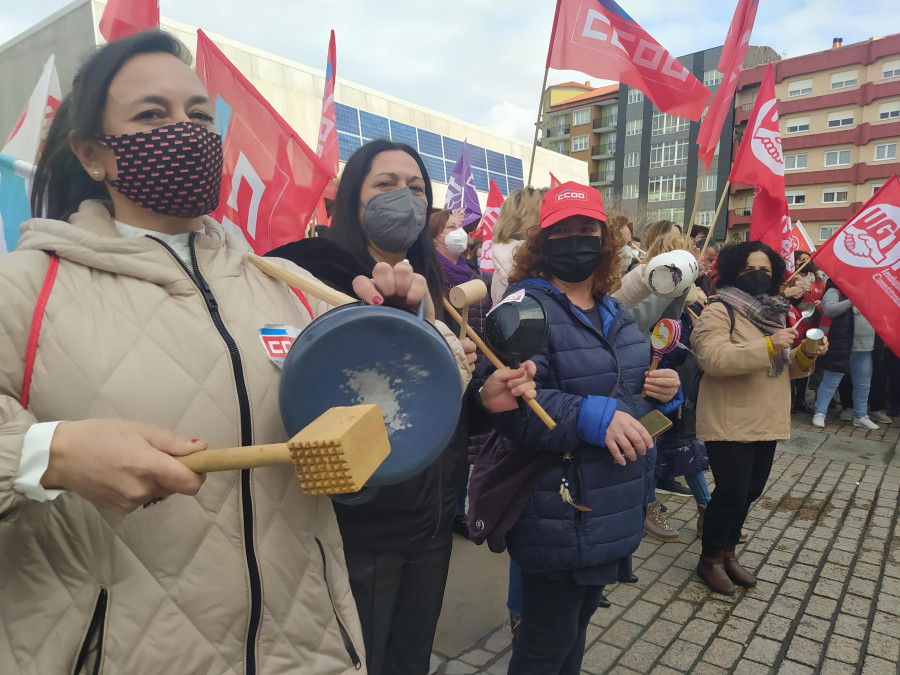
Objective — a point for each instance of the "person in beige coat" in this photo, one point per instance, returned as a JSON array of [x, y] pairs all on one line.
[[149, 345], [744, 402]]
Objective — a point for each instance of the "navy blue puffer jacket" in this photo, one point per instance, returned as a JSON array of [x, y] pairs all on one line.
[[577, 371]]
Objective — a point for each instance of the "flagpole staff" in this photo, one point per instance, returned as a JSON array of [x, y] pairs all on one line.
[[690, 223], [712, 225], [798, 270], [537, 126]]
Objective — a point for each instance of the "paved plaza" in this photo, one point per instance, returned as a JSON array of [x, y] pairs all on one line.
[[824, 543]]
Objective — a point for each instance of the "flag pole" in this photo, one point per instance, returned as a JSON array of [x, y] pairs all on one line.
[[537, 126], [798, 270], [703, 172], [712, 225]]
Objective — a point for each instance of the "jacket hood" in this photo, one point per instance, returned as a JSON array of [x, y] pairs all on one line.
[[91, 239]]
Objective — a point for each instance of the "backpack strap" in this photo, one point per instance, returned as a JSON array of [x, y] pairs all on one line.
[[730, 310], [36, 321]]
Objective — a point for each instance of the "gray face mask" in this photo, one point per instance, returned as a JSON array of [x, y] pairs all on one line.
[[394, 220]]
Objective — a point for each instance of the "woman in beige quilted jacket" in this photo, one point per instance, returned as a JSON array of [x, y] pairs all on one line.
[[149, 344]]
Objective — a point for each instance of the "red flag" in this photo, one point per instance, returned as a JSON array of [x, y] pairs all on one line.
[[327, 148], [759, 162], [863, 259], [124, 17], [800, 240], [554, 181], [599, 39], [486, 228], [736, 43], [271, 180]]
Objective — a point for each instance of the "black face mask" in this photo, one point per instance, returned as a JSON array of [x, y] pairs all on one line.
[[754, 283], [574, 258]]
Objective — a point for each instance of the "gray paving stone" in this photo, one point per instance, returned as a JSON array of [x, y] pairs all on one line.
[[844, 649], [805, 651], [681, 655], [722, 653], [477, 657], [763, 650], [458, 668], [641, 657]]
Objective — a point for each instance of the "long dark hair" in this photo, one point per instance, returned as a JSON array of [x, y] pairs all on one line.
[[60, 182], [732, 259], [348, 232]]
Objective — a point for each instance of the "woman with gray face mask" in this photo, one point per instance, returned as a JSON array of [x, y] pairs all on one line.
[[397, 545]]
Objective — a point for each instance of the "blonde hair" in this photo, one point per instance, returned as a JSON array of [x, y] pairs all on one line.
[[520, 210], [656, 230], [670, 241]]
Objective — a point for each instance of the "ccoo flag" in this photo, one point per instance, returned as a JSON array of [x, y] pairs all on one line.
[[760, 162], [598, 38], [271, 180], [863, 259], [124, 17], [485, 230], [461, 192], [730, 62]]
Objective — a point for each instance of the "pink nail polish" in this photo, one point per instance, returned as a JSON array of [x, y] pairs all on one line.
[[195, 440], [377, 300]]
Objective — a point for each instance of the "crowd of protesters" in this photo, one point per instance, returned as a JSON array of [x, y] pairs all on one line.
[[147, 314]]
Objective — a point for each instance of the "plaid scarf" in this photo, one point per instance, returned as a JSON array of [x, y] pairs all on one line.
[[766, 312]]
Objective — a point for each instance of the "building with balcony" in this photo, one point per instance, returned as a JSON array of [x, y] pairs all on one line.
[[839, 114], [295, 91], [657, 172], [581, 121]]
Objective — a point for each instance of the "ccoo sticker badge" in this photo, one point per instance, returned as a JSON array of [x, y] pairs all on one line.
[[277, 341]]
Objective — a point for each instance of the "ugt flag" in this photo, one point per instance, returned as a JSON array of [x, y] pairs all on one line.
[[271, 180], [461, 190], [485, 230], [599, 39], [863, 259], [124, 17], [760, 162], [800, 240], [730, 62]]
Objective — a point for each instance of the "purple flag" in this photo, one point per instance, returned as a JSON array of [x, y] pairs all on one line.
[[461, 190]]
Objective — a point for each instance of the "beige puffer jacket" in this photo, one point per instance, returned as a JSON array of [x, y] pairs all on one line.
[[175, 588]]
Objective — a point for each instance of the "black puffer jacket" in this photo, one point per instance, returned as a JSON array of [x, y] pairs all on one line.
[[420, 507], [840, 338]]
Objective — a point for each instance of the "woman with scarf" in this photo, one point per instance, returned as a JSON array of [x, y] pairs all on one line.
[[743, 407]]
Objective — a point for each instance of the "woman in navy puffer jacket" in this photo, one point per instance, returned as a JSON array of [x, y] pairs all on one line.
[[586, 515]]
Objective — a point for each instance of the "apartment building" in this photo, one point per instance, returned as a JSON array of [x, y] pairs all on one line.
[[840, 127]]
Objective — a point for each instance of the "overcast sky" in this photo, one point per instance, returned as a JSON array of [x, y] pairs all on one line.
[[482, 60]]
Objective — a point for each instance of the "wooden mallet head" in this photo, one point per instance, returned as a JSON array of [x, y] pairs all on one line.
[[464, 295]]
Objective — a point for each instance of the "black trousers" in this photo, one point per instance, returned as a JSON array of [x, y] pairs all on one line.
[[740, 471], [399, 596], [555, 616]]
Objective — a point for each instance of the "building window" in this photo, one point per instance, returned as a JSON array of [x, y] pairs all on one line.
[[665, 188], [836, 195], [632, 159], [664, 123], [837, 158], [796, 161], [711, 77], [889, 110], [843, 80], [890, 69], [579, 143], [841, 118], [876, 188], [825, 231], [797, 125], [704, 218], [609, 194], [710, 183], [560, 147], [885, 151], [635, 95], [610, 143], [634, 127], [795, 197], [612, 116], [676, 215], [582, 116], [800, 88], [668, 154], [630, 191]]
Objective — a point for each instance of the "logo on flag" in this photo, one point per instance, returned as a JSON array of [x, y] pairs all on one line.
[[765, 141], [872, 239]]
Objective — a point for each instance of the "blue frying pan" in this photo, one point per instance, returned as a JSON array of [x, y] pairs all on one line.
[[362, 354]]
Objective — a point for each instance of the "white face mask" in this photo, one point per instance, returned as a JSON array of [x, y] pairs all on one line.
[[456, 241]]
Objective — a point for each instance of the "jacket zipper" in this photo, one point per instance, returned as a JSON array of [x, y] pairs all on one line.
[[212, 306], [345, 636], [96, 627]]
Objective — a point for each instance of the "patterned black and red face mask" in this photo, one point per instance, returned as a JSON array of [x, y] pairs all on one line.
[[175, 170]]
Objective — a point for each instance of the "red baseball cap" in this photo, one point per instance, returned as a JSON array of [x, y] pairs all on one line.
[[571, 199]]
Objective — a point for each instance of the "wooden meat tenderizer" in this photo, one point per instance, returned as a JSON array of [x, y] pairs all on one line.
[[464, 295], [334, 454]]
